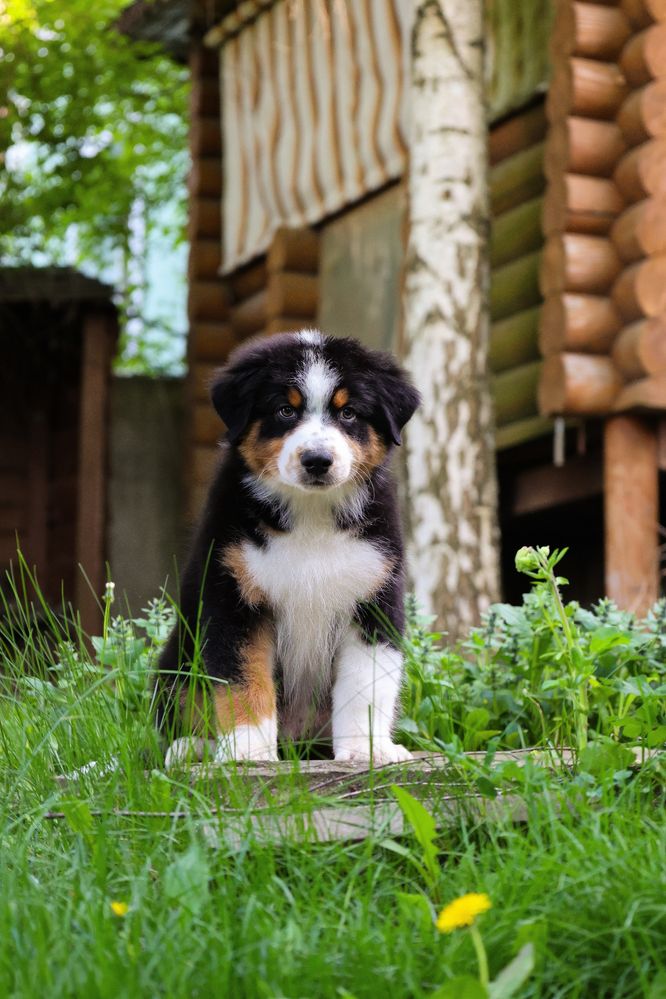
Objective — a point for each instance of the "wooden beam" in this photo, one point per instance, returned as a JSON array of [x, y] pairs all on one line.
[[579, 323], [99, 332], [641, 230], [515, 286], [642, 171], [644, 56], [578, 203], [515, 393], [645, 394], [517, 178], [290, 293], [521, 431], [248, 280], [517, 133], [643, 114], [583, 145], [578, 263], [513, 341], [640, 349], [516, 232], [211, 342], [204, 259], [207, 300], [294, 250], [640, 290], [589, 29], [546, 487], [249, 316], [631, 512], [586, 87], [585, 384]]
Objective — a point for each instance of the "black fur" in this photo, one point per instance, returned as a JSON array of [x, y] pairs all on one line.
[[253, 387]]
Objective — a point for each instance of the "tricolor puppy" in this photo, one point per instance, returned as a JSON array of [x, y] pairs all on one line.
[[294, 590]]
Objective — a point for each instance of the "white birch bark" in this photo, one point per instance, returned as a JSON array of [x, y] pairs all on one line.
[[450, 441]]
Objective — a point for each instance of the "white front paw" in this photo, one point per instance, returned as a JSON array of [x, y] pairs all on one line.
[[380, 752], [247, 742], [184, 751]]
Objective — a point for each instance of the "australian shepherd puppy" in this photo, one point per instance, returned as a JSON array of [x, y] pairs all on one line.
[[293, 596]]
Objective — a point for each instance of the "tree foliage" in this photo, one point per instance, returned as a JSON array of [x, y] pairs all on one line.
[[94, 128], [94, 123]]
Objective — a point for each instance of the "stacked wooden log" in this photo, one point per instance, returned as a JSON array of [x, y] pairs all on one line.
[[281, 292], [639, 234], [516, 151], [580, 264]]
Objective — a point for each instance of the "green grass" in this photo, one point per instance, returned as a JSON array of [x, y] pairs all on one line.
[[583, 879]]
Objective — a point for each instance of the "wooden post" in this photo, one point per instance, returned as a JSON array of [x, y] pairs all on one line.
[[98, 337], [631, 512]]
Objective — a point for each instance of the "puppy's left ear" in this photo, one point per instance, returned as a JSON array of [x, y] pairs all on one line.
[[232, 393], [398, 399]]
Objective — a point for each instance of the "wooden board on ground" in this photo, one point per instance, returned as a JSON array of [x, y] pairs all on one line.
[[320, 801]]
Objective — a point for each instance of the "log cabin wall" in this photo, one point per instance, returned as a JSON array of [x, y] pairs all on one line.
[[604, 264], [580, 263], [602, 330], [517, 182], [639, 233]]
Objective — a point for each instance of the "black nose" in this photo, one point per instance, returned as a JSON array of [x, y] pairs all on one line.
[[316, 462]]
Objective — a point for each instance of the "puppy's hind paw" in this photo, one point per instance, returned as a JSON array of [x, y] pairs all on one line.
[[184, 751], [380, 752]]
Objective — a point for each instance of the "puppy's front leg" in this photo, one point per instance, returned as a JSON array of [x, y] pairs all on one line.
[[365, 696], [246, 711]]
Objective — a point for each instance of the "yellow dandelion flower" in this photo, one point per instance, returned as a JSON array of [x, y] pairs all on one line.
[[462, 912], [119, 908]]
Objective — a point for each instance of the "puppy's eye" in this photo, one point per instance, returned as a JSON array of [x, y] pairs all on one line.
[[286, 412], [348, 414]]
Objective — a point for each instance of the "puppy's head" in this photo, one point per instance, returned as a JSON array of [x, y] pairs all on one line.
[[312, 412]]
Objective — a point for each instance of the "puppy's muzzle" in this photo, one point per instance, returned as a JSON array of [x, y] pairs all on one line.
[[317, 464]]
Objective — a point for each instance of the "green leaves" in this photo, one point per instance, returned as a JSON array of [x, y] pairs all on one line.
[[461, 987], [541, 673], [97, 121], [95, 128], [514, 975], [425, 831], [186, 880]]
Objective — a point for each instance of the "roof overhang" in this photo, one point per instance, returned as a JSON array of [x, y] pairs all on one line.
[[172, 23]]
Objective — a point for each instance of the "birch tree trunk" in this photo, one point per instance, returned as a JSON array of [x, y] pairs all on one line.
[[450, 441]]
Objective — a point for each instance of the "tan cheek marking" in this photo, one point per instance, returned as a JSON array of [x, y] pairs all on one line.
[[341, 398], [252, 700], [295, 398], [369, 455], [233, 559], [261, 456]]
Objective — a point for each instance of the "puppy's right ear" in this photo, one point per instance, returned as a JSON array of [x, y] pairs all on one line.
[[233, 392]]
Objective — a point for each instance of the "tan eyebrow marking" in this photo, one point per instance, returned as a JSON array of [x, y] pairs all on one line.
[[295, 398], [341, 398]]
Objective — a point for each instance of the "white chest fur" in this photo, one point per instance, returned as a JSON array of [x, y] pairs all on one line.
[[312, 577]]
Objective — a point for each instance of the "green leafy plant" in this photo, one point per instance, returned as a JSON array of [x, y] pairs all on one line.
[[544, 673]]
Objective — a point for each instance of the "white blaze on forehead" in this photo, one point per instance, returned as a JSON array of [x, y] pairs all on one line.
[[313, 338], [317, 382]]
